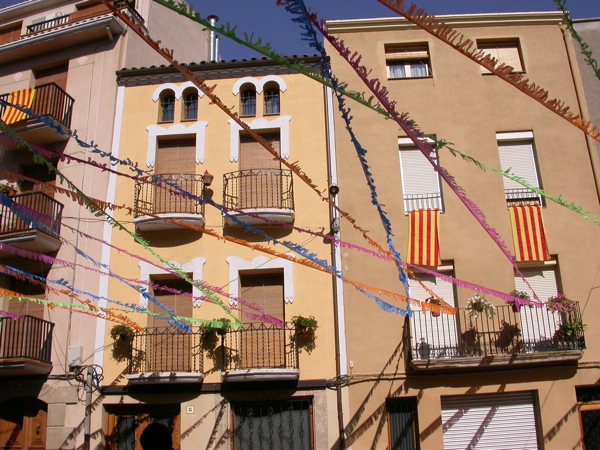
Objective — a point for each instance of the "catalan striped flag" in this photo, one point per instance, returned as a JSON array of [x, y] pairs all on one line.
[[423, 237], [24, 98], [528, 233]]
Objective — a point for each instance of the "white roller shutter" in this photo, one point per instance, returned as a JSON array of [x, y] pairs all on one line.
[[419, 179], [518, 156], [489, 422], [538, 324], [433, 337]]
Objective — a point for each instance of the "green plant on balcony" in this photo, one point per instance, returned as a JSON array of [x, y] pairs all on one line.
[[8, 190], [560, 303], [121, 332], [518, 294], [212, 330], [305, 326], [570, 334], [477, 304]]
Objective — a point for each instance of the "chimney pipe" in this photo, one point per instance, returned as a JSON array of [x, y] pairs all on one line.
[[213, 38]]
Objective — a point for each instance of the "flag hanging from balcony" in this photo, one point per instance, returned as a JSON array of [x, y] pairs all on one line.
[[24, 98], [528, 233], [423, 237]]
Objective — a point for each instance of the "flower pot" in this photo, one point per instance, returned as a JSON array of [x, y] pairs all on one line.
[[516, 308]]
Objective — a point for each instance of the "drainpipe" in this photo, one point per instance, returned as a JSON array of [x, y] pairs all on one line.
[[341, 353], [581, 104], [213, 38]]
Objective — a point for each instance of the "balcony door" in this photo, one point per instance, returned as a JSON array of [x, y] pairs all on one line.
[[46, 101], [261, 344], [260, 183], [167, 349], [175, 162]]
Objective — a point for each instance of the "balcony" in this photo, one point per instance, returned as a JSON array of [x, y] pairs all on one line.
[[531, 336], [163, 355], [522, 196], [258, 197], [260, 352], [158, 208], [414, 202], [31, 222], [49, 101], [25, 346], [66, 31]]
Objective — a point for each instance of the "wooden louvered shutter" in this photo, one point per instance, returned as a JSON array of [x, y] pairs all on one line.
[[11, 33], [260, 186], [175, 162], [168, 349], [56, 74], [261, 345]]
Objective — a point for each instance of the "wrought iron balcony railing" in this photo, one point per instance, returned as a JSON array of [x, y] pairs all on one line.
[[508, 332], [522, 196], [152, 199], [49, 100], [26, 338], [258, 189], [31, 211], [84, 14], [260, 346], [413, 202], [166, 350]]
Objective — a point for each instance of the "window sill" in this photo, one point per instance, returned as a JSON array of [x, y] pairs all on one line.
[[272, 114], [410, 78], [165, 121]]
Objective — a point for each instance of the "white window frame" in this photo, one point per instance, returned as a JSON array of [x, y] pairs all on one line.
[[516, 151], [407, 56], [427, 181]]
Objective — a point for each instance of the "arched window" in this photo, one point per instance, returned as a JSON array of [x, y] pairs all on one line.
[[272, 100], [248, 102], [190, 105], [166, 111]]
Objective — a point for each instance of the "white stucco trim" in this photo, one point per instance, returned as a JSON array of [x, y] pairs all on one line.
[[259, 83], [514, 136], [260, 262], [107, 232], [176, 88], [282, 122], [178, 129], [194, 266]]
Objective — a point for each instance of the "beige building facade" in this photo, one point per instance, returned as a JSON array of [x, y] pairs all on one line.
[[59, 58], [516, 377], [214, 206]]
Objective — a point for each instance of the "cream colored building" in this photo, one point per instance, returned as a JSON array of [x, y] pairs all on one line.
[[61, 57], [260, 382], [520, 379]]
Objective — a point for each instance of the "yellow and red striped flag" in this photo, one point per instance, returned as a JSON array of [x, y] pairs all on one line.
[[423, 237], [528, 233], [24, 98]]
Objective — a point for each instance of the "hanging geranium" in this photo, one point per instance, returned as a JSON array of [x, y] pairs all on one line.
[[479, 305], [560, 303]]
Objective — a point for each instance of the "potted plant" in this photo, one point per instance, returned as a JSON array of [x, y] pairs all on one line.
[[210, 331], [435, 312], [516, 306], [121, 332], [8, 190], [479, 305], [560, 303], [305, 326], [570, 334]]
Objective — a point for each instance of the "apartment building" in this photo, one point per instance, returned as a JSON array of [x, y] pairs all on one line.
[[516, 376], [218, 355], [58, 59]]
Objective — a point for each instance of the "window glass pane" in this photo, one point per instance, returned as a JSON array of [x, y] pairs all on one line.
[[402, 415], [125, 433], [167, 105], [248, 102], [281, 425], [397, 70], [190, 107], [272, 101], [418, 69]]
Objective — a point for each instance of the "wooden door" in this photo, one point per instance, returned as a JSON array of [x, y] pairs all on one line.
[[260, 185], [170, 350], [23, 424], [262, 345], [175, 161]]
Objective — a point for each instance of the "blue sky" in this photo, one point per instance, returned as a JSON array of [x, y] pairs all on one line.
[[272, 23]]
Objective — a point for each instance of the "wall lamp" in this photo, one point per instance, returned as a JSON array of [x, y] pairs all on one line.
[[207, 178]]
